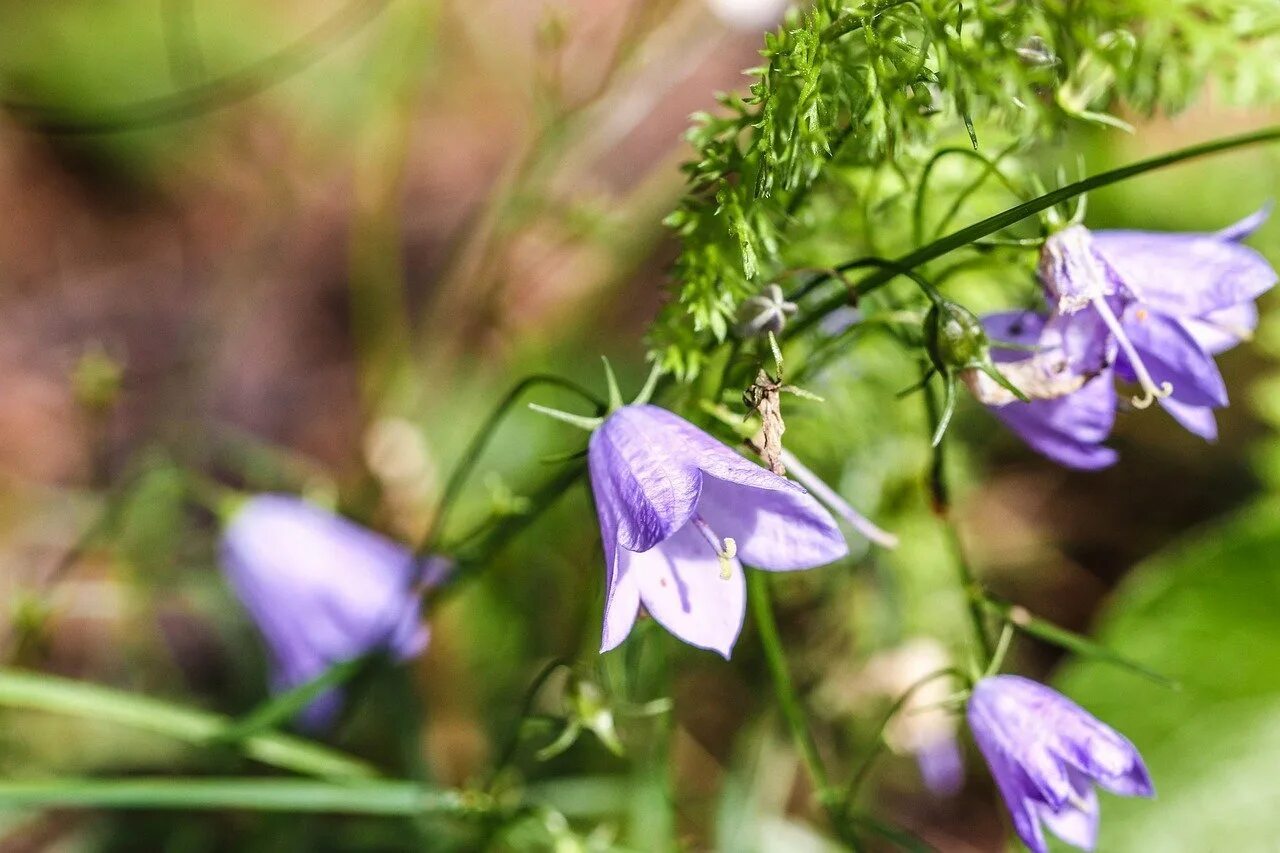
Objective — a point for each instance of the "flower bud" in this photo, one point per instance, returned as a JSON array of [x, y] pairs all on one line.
[[765, 312], [954, 337], [1035, 53]]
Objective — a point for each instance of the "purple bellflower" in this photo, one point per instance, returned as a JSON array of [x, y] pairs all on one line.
[[679, 514], [322, 590], [1046, 754], [1151, 308]]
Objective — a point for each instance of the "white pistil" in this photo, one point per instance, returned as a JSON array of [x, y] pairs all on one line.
[[828, 496], [1152, 391], [726, 551]]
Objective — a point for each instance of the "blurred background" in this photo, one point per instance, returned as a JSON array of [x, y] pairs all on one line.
[[305, 247]]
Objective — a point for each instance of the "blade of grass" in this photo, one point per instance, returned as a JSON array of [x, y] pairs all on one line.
[[56, 695], [287, 795]]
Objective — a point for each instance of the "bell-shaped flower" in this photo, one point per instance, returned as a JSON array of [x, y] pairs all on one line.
[[1168, 302], [679, 514], [323, 590], [1149, 308], [1046, 754]]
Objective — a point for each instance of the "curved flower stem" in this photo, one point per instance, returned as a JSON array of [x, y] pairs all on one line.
[[789, 702], [940, 496], [1005, 218], [991, 166], [479, 545], [864, 769], [526, 707], [201, 98], [469, 459]]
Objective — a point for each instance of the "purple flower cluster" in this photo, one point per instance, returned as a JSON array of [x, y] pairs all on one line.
[[681, 513], [1148, 308], [1046, 754]]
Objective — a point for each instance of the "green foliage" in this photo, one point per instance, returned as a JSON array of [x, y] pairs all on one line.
[[1206, 614], [852, 88]]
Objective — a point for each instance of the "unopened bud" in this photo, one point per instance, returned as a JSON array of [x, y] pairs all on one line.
[[954, 337], [1035, 53], [767, 311]]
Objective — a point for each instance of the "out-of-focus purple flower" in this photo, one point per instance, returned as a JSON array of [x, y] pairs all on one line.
[[323, 590], [941, 766], [923, 726], [678, 511], [1046, 754], [1151, 308]]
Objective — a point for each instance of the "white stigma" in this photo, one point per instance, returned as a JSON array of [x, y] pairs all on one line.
[[1150, 390], [726, 551]]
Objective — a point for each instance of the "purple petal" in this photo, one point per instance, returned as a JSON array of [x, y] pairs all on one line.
[[1221, 330], [1082, 337], [1074, 822], [942, 767], [622, 598], [321, 589], [1072, 270], [1015, 788], [1244, 229], [1070, 429], [641, 475], [1020, 328], [681, 585], [779, 529], [1172, 355], [1197, 420], [1185, 275]]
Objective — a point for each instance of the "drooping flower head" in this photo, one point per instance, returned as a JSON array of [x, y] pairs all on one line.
[[679, 514], [322, 590], [1046, 754], [1151, 308]]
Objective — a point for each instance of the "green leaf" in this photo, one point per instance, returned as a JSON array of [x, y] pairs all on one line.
[[1070, 641], [40, 692], [1207, 613]]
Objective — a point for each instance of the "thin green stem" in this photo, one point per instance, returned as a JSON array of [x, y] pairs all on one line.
[[866, 765], [198, 99], [789, 701], [990, 167], [940, 497], [1004, 219], [285, 706], [526, 707], [478, 546], [480, 441]]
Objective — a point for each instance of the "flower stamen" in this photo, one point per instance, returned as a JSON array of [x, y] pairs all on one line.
[[1151, 391], [726, 551]]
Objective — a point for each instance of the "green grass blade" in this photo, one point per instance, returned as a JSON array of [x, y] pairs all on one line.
[[285, 795], [52, 694]]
